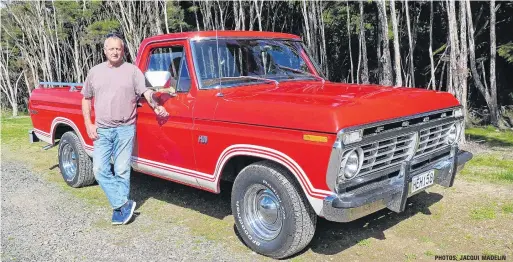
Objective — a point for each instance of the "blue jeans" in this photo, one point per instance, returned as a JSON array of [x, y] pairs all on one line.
[[116, 143]]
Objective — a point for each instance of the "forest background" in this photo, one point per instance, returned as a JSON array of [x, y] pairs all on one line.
[[463, 47]]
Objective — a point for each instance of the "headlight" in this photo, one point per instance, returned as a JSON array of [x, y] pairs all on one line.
[[453, 134], [352, 137], [351, 163], [457, 112]]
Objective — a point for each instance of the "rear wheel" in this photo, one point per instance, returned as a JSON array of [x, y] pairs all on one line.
[[75, 165], [271, 215]]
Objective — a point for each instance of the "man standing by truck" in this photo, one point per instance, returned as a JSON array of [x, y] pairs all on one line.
[[115, 86]]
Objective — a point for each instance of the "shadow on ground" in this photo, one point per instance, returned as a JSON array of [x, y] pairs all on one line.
[[490, 141], [330, 238], [144, 187]]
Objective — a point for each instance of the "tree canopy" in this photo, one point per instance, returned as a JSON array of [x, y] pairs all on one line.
[[439, 45]]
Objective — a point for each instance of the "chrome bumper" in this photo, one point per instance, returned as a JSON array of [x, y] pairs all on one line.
[[391, 193]]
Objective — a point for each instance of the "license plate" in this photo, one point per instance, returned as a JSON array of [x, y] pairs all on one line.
[[423, 180]]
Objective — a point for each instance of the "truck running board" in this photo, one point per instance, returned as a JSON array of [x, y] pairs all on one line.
[[49, 146]]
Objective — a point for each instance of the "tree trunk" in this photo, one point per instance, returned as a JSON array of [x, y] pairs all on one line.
[[432, 81], [442, 77], [15, 109], [410, 42], [349, 39], [236, 15], [453, 35], [463, 64], [242, 14], [196, 16], [165, 17], [365, 63], [158, 23], [379, 70], [259, 5], [494, 114], [490, 101], [6, 87], [397, 54], [385, 59], [27, 83], [306, 28], [324, 55]]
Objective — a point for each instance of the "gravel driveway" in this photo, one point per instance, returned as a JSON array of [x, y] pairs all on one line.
[[40, 221]]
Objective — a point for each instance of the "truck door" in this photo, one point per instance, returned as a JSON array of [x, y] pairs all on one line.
[[164, 145]]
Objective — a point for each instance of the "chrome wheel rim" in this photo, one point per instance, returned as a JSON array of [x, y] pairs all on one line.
[[263, 212], [69, 162]]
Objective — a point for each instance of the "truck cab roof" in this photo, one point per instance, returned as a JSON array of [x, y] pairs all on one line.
[[222, 34]]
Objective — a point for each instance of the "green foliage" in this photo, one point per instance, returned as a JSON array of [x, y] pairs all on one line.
[[506, 51], [96, 31], [73, 15], [335, 17], [175, 17], [440, 49], [86, 22], [390, 30]]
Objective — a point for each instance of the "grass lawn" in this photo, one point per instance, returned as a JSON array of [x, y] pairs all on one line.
[[491, 136], [15, 146], [495, 162]]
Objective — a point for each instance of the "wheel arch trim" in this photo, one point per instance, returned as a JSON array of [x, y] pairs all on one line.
[[65, 121]]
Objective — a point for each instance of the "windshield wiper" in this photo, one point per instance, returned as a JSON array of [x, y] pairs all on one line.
[[250, 77], [301, 72]]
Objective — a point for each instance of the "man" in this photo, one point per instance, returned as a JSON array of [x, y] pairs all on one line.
[[115, 86]]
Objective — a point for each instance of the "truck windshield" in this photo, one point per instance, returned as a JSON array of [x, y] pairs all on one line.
[[235, 62]]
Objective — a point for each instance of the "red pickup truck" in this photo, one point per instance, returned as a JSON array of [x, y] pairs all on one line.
[[253, 108]]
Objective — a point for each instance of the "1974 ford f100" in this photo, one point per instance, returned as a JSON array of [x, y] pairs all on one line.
[[253, 108]]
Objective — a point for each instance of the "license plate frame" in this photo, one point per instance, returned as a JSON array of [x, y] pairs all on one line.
[[422, 181]]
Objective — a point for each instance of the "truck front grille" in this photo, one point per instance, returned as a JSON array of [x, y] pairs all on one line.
[[433, 138], [387, 152], [391, 151]]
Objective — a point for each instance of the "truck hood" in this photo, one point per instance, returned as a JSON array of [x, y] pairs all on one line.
[[324, 107]]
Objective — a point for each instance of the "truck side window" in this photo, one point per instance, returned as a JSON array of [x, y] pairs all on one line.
[[164, 67], [184, 81]]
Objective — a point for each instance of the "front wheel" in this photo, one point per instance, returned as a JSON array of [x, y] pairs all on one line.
[[75, 165], [271, 215]]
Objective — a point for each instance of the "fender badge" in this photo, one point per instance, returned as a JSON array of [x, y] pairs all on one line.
[[203, 140]]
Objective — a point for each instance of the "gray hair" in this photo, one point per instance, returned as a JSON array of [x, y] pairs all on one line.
[[114, 38]]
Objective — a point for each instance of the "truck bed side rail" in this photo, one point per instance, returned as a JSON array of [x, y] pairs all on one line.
[[74, 86]]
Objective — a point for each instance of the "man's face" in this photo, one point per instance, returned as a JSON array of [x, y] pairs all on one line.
[[113, 50]]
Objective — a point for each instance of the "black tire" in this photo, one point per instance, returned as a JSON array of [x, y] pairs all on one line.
[[83, 175], [297, 216]]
